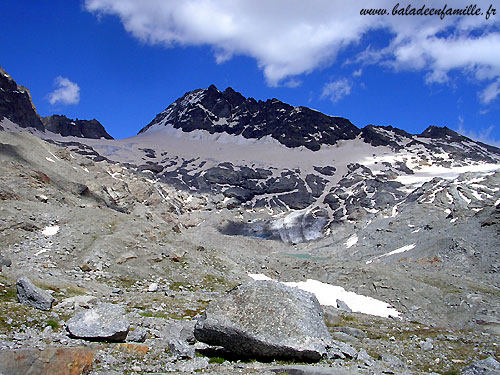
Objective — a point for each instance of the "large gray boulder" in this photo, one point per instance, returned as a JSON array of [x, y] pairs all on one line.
[[106, 322], [31, 295], [488, 366], [266, 319]]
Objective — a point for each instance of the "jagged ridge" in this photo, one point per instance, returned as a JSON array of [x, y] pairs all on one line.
[[230, 112]]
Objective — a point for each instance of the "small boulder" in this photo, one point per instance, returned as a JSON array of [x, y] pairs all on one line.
[[365, 358], [106, 322], [427, 344], [266, 319], [5, 261], [137, 335], [31, 295], [181, 349], [341, 305], [153, 287]]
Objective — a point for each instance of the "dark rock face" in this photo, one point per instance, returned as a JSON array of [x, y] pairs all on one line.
[[16, 104], [76, 128], [106, 322], [265, 319], [384, 136], [31, 295], [230, 112]]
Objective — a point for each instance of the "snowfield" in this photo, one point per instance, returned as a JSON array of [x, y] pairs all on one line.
[[329, 294]]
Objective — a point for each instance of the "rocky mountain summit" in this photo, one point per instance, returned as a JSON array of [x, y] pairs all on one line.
[[187, 249], [230, 112], [16, 105], [75, 128]]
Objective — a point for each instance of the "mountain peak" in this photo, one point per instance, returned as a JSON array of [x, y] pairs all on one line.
[[232, 113], [16, 103], [439, 132]]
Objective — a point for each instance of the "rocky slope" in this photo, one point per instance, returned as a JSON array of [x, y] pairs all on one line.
[[92, 232], [308, 171], [396, 234]]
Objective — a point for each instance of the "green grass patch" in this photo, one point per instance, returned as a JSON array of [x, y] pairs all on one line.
[[218, 360], [157, 314], [53, 323]]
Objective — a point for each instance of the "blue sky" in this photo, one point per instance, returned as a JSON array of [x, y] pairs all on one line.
[[124, 61]]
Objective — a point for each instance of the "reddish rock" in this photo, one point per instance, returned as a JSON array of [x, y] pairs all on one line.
[[50, 361], [133, 349]]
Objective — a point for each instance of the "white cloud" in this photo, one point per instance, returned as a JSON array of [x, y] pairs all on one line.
[[67, 92], [336, 90], [292, 83], [491, 92], [291, 37], [482, 135], [358, 73]]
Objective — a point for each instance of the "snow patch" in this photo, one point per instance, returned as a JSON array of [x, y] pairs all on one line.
[[464, 197], [50, 230], [328, 295], [428, 172], [353, 240], [397, 251], [259, 277]]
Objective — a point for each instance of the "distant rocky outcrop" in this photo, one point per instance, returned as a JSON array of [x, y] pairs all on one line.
[[66, 127], [16, 104], [265, 319]]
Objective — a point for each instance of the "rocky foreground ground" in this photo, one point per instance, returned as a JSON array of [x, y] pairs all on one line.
[[109, 271]]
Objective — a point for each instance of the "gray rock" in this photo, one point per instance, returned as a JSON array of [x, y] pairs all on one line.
[[427, 344], [190, 366], [178, 329], [341, 305], [187, 333], [265, 319], [310, 370], [106, 322], [339, 349], [392, 361], [5, 261], [153, 287], [355, 332], [488, 366], [364, 357], [344, 337], [31, 295], [137, 335], [181, 349]]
